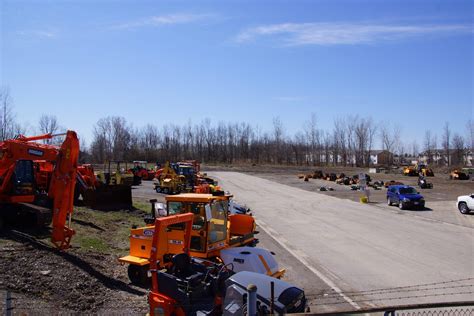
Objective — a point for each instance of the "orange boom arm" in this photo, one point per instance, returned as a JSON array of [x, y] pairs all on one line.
[[62, 190]]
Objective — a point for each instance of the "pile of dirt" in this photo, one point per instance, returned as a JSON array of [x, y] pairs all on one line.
[[71, 281]]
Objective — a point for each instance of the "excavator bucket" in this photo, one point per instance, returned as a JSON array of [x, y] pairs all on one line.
[[108, 197]]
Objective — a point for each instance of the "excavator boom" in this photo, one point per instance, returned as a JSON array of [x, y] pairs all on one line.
[[62, 190]]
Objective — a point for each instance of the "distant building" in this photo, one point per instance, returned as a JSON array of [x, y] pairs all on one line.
[[439, 157], [381, 157]]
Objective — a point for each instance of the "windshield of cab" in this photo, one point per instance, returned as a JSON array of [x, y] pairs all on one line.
[[175, 208], [218, 222]]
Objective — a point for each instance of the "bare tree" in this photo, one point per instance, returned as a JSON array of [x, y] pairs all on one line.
[[278, 137], [446, 142], [390, 138], [112, 139], [415, 149], [313, 137], [458, 147], [7, 119], [430, 146], [364, 132], [48, 124]]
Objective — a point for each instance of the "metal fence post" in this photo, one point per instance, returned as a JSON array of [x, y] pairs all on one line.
[[252, 300]]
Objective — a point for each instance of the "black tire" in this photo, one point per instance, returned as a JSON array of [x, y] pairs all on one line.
[[389, 203], [400, 205], [158, 190], [165, 191], [462, 207], [138, 275]]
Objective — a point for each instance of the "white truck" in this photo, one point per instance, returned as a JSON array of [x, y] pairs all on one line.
[[465, 203]]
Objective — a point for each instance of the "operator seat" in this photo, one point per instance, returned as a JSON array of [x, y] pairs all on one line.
[[183, 269]]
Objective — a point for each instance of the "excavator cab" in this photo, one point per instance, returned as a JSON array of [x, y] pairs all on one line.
[[23, 178]]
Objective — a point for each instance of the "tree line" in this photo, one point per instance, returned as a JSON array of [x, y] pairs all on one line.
[[349, 142]]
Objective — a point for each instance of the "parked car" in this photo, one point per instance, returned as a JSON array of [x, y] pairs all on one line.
[[405, 197], [465, 203]]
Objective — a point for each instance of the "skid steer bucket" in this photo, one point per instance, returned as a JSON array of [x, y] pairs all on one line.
[[108, 197]]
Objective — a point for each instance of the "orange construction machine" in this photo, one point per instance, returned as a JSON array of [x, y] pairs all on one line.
[[165, 297], [194, 286], [213, 230], [19, 191]]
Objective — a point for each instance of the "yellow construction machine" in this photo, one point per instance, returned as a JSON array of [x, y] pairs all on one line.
[[114, 174], [170, 182], [418, 169]]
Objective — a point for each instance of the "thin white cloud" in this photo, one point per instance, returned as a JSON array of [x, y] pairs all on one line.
[[296, 34], [38, 34], [169, 19]]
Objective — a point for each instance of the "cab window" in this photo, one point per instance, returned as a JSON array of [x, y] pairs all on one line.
[[218, 222], [175, 208], [199, 220]]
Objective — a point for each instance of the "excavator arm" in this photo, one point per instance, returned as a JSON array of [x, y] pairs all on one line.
[[61, 190]]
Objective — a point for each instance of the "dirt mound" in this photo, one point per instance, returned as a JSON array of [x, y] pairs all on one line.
[[72, 280]]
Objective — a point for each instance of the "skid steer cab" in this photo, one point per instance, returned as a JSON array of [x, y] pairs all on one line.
[[213, 230]]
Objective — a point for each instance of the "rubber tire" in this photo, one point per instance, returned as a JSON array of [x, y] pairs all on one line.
[[165, 191], [462, 207], [138, 275], [158, 190], [400, 205], [389, 203]]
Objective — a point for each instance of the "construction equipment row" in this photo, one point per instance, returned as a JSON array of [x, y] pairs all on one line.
[[201, 258]]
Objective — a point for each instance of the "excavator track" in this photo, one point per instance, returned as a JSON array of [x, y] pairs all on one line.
[[41, 216]]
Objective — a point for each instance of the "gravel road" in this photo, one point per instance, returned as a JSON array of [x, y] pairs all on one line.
[[343, 252]]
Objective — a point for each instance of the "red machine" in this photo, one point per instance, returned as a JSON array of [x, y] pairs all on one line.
[[141, 170], [21, 182]]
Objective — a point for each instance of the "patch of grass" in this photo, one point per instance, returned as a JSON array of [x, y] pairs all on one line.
[[105, 232], [142, 206], [91, 243]]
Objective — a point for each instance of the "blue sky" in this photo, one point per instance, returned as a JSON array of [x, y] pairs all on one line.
[[405, 62]]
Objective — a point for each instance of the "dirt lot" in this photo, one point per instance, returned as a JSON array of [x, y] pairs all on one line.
[[86, 277]]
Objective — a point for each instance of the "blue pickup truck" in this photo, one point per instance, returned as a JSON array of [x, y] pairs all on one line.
[[405, 197]]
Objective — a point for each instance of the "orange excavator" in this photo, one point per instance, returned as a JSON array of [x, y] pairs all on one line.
[[24, 190]]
